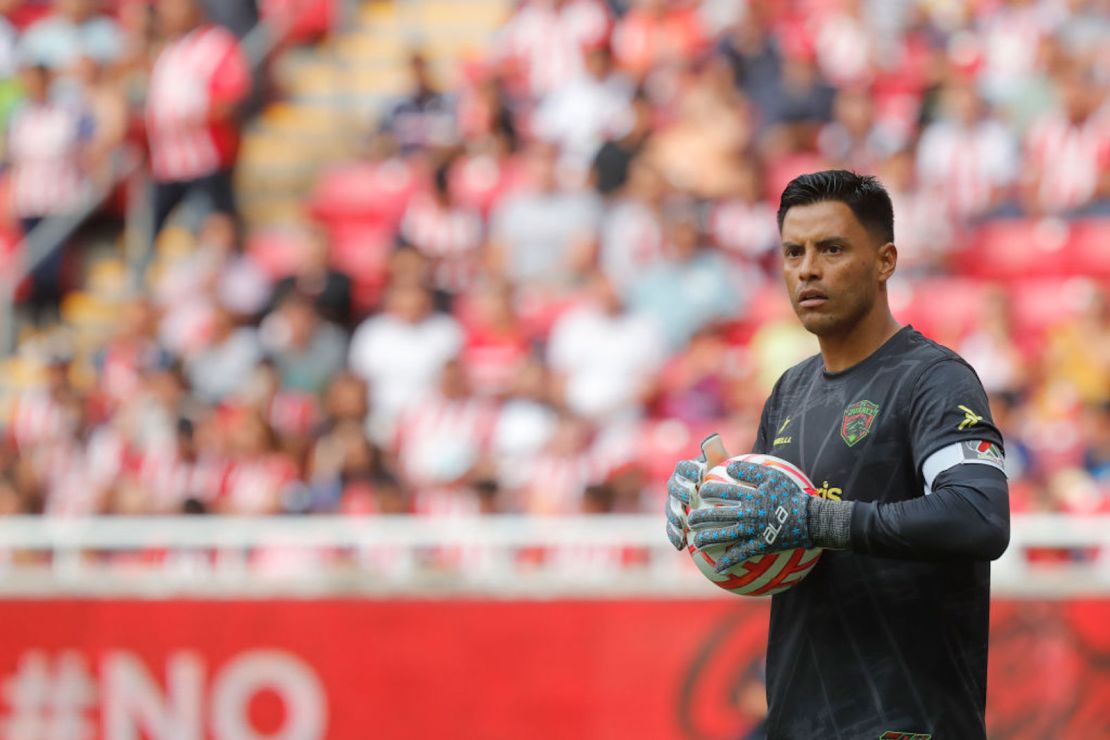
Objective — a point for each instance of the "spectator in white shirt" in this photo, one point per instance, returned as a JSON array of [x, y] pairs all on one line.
[[225, 365], [968, 158], [604, 357], [400, 354], [540, 234], [582, 114]]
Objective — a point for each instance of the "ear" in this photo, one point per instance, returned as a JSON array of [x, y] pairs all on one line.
[[887, 262]]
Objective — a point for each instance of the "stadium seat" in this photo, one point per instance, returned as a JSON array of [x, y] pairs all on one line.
[[944, 309], [1089, 248], [1016, 248], [364, 192]]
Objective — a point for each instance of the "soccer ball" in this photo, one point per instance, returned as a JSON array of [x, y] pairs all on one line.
[[763, 575]]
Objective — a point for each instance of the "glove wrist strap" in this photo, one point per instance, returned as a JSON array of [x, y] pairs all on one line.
[[830, 523]]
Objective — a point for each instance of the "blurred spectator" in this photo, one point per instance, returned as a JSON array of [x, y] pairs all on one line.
[[131, 354], [1068, 150], [448, 234], [425, 118], [544, 40], [742, 223], [657, 33], [306, 350], [224, 363], [314, 277], [604, 357], [198, 80], [754, 51], [586, 111], [400, 353], [442, 439], [72, 29], [967, 157], [799, 96], [693, 386], [108, 112], [1078, 350], [710, 125], [540, 235], [561, 472], [690, 288], [46, 143], [496, 348], [991, 350], [614, 158], [854, 139], [631, 238], [260, 477], [924, 230], [524, 426], [843, 42], [1096, 453]]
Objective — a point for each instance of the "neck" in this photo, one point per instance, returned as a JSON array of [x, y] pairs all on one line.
[[842, 351]]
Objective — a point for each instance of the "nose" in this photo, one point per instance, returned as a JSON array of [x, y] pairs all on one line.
[[809, 268]]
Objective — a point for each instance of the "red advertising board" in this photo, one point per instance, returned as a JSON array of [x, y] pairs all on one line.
[[187, 669]]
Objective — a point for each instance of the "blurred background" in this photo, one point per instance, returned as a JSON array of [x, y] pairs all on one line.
[[350, 343]]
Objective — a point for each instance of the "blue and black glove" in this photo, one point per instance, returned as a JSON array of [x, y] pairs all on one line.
[[765, 512], [684, 482]]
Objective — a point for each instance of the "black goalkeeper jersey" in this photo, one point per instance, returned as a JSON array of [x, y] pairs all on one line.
[[870, 644]]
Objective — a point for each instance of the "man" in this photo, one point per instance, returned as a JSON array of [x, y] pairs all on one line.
[[198, 81], [888, 633]]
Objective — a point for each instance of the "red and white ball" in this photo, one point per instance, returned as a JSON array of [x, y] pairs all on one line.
[[763, 575]]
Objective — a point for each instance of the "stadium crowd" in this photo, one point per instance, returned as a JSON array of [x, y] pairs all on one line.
[[543, 281]]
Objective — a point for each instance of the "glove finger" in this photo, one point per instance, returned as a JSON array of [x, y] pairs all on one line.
[[703, 538], [676, 536], [752, 473], [680, 488], [736, 554], [714, 517], [675, 514], [691, 470], [716, 490]]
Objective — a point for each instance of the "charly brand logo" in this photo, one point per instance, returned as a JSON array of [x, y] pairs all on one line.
[[858, 419], [970, 418], [896, 735]]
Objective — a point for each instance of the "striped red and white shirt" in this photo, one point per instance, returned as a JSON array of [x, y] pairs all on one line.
[[204, 68], [44, 146], [1068, 158], [440, 439], [449, 236], [548, 41]]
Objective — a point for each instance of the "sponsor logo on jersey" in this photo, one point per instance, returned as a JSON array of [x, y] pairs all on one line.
[[785, 424], [783, 441], [970, 418], [829, 492], [896, 735], [858, 419]]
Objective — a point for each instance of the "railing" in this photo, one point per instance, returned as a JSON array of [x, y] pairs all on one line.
[[502, 555]]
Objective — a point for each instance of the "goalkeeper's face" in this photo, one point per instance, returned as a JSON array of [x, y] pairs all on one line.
[[835, 269]]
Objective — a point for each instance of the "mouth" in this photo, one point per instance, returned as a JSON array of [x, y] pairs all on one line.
[[812, 298]]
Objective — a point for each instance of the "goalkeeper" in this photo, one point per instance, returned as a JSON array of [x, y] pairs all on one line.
[[887, 636]]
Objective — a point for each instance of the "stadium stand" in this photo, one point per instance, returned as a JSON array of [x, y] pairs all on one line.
[[470, 207]]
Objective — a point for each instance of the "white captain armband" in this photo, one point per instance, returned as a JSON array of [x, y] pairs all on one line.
[[976, 452]]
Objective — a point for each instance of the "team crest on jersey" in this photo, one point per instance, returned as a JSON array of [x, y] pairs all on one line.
[[858, 419]]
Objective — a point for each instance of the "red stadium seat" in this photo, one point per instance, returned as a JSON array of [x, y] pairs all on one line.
[[1089, 248], [365, 192], [944, 309], [1017, 248]]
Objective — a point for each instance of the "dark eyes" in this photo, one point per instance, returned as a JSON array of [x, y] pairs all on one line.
[[792, 252]]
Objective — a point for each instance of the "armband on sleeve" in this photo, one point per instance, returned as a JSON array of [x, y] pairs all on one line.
[[973, 452]]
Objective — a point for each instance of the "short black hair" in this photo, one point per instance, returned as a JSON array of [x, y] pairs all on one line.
[[864, 194]]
